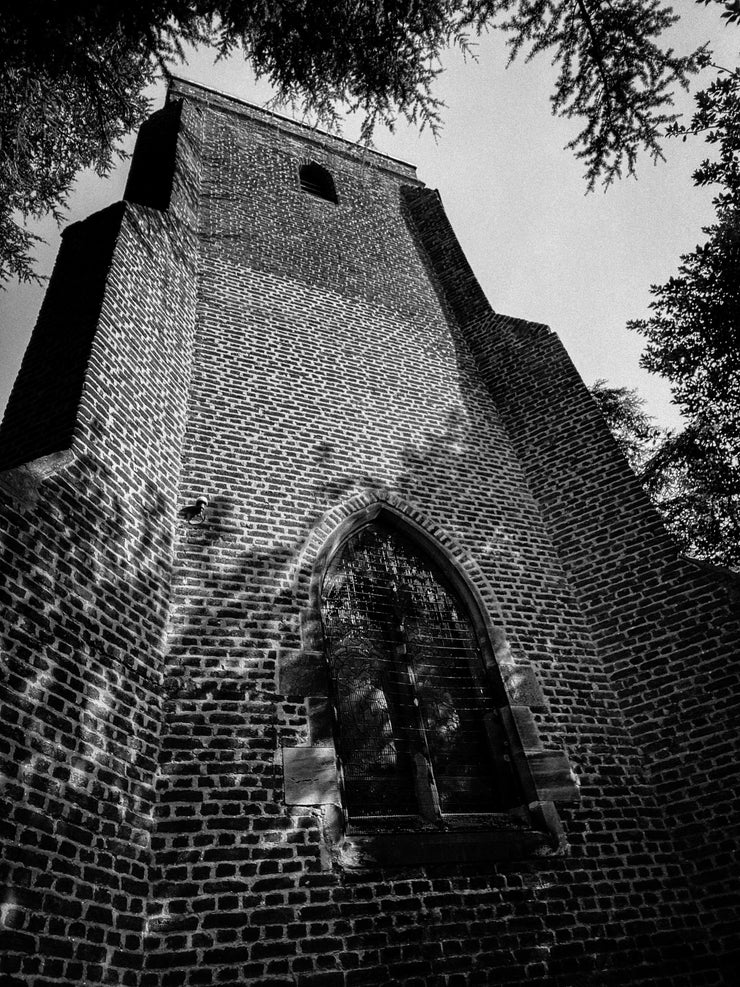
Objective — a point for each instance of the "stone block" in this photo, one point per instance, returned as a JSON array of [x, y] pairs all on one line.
[[552, 775], [521, 727], [312, 637], [523, 686], [320, 721], [310, 775]]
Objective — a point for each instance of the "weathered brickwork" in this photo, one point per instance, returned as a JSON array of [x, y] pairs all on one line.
[[86, 562], [309, 366], [670, 654], [664, 625]]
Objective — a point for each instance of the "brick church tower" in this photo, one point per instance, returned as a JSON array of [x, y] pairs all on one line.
[[340, 645]]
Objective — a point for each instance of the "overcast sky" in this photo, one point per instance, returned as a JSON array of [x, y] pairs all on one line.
[[541, 248]]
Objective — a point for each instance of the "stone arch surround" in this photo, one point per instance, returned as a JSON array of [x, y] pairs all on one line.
[[344, 519], [546, 776]]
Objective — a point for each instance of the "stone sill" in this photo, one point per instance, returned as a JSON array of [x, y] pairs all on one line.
[[513, 821], [360, 851]]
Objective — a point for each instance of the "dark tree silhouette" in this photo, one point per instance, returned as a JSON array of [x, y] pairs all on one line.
[[688, 476], [72, 75]]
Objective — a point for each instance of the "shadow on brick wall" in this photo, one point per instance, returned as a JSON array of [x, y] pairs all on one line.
[[86, 577]]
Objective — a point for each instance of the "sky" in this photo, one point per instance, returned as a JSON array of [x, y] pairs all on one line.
[[542, 249]]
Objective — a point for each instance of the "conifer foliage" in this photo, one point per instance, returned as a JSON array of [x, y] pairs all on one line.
[[72, 75], [688, 475], [693, 339], [72, 81]]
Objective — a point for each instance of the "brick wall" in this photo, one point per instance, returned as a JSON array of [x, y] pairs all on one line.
[[331, 372], [666, 627], [306, 366], [86, 548]]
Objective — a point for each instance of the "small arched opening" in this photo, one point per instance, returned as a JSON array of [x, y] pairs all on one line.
[[317, 181]]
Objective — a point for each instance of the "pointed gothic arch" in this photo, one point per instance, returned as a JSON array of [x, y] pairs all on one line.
[[466, 575], [417, 714], [535, 777]]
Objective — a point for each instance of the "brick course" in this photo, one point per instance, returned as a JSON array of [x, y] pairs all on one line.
[[307, 365]]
